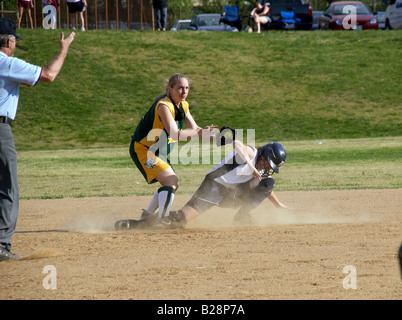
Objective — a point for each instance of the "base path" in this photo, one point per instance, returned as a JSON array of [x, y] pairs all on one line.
[[310, 252]]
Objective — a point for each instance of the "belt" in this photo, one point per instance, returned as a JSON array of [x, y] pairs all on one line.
[[5, 120]]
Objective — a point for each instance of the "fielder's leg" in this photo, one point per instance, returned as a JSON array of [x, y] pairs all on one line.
[[163, 198], [154, 204]]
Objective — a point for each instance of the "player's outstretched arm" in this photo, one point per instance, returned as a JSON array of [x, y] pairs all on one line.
[[192, 131], [276, 201]]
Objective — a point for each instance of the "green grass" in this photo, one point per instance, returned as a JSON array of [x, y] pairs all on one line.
[[372, 163], [285, 85], [299, 88]]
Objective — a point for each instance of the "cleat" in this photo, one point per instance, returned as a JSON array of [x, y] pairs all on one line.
[[166, 222], [175, 220], [7, 255], [126, 224], [148, 221], [129, 224], [145, 214]]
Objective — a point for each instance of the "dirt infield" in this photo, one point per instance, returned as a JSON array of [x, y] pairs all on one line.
[[299, 254]]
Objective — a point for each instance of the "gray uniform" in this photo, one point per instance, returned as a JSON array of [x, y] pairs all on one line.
[[13, 71], [228, 186]]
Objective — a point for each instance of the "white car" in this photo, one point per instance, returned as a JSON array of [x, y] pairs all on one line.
[[393, 15], [181, 25]]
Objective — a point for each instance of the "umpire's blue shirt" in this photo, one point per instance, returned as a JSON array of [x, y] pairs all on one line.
[[14, 71]]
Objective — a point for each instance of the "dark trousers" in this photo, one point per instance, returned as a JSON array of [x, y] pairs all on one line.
[[160, 16], [211, 193], [9, 194]]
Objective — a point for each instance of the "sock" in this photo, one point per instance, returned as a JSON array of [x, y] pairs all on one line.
[[166, 196], [154, 204]]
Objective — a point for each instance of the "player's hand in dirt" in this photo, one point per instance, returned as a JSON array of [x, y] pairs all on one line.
[[280, 205]]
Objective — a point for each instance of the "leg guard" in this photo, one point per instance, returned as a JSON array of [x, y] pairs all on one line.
[[166, 197]]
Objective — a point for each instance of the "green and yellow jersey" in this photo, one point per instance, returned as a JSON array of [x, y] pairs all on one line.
[[150, 128], [151, 138]]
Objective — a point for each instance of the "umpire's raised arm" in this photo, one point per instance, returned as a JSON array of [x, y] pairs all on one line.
[[50, 72]]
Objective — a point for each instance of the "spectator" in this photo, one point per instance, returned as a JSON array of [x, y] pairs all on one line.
[[160, 14], [27, 4], [13, 73], [77, 6]]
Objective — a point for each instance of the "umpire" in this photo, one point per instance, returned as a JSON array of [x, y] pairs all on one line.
[[13, 73]]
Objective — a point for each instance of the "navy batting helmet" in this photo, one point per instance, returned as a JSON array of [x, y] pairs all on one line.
[[275, 154]]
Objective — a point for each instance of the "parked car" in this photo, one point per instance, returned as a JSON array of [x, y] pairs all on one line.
[[393, 15], [210, 22], [316, 16], [338, 17], [302, 12], [181, 25], [380, 15]]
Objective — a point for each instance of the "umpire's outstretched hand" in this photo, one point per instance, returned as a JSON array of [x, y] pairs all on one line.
[[65, 43], [50, 72]]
